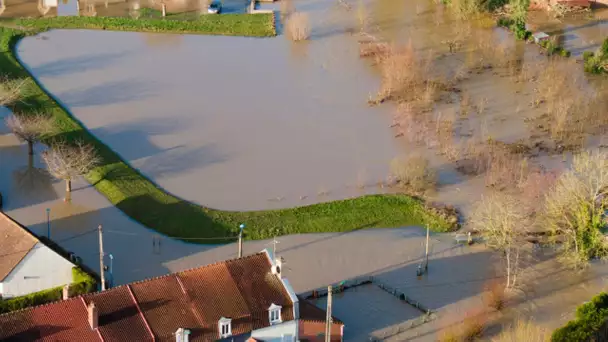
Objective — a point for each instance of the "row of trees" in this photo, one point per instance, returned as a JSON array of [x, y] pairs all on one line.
[[574, 214], [64, 161]]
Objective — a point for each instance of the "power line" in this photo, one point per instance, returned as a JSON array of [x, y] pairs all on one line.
[[44, 245], [112, 231]]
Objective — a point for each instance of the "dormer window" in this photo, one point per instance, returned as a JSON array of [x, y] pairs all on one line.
[[224, 327], [274, 314]]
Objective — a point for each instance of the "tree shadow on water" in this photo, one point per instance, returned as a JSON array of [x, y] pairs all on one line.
[[72, 65], [107, 94]]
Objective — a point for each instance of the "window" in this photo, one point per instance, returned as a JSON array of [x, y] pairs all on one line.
[[224, 327], [274, 314]]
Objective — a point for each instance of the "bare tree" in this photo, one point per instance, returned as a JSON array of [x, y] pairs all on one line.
[[30, 128], [67, 162], [576, 206], [500, 220]]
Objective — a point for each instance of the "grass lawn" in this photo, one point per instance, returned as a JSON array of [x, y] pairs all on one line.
[[145, 202], [251, 25]]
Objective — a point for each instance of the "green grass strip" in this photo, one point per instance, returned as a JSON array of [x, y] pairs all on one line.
[[250, 25], [145, 202]]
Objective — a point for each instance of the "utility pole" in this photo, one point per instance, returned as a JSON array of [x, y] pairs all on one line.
[[328, 318], [426, 263], [242, 226], [48, 223], [101, 270], [274, 246]]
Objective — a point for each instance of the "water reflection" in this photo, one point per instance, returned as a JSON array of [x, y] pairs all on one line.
[[108, 8], [163, 40]]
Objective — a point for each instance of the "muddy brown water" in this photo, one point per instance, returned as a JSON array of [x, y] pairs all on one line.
[[192, 113]]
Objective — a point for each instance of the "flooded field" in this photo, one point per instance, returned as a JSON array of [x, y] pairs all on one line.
[[243, 124]]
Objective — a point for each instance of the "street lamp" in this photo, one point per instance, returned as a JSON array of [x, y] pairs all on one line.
[[48, 223], [111, 267], [241, 226]]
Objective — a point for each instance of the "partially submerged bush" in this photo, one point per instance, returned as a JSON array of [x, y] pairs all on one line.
[[597, 63], [414, 172], [298, 27], [576, 208], [469, 329], [523, 330], [495, 295]]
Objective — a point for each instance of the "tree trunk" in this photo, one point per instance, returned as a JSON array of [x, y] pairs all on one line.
[[68, 190], [515, 267], [30, 162], [30, 148], [508, 256]]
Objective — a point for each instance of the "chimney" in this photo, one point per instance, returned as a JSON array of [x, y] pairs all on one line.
[[65, 294], [181, 335], [93, 315]]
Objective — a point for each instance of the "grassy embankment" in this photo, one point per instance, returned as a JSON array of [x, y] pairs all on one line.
[[145, 202], [258, 25]]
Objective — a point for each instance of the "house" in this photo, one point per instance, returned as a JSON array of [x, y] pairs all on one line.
[[235, 300], [26, 264]]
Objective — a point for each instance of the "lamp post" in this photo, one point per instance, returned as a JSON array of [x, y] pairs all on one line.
[[111, 267], [48, 223], [242, 226]]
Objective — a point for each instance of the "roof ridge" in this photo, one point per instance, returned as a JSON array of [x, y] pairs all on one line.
[[20, 226], [188, 270], [143, 317]]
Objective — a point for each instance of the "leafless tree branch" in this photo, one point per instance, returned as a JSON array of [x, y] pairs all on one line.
[[67, 162], [30, 128]]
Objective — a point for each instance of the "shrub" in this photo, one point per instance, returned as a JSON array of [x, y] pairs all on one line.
[[576, 211], [587, 55], [495, 295], [593, 65], [590, 319], [472, 327], [523, 330], [604, 48], [414, 172], [504, 22], [565, 53], [298, 27], [83, 282]]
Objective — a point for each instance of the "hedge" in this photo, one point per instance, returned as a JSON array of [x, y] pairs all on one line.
[[83, 283]]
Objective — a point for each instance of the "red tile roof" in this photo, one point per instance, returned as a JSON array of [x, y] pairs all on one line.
[[15, 244], [311, 312], [241, 289], [60, 321]]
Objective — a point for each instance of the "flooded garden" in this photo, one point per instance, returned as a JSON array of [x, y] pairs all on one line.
[[383, 97]]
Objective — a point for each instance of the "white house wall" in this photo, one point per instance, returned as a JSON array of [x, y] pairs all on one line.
[[41, 269], [286, 331]]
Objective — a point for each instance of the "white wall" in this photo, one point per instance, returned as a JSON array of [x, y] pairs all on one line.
[[41, 269], [275, 333]]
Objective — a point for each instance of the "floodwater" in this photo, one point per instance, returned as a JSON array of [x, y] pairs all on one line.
[[230, 123], [239, 123]]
